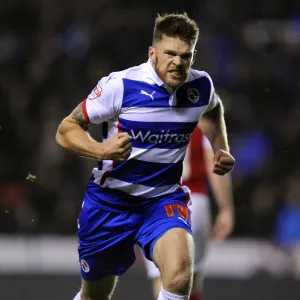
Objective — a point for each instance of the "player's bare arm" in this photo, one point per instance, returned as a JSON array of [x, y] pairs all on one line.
[[213, 126], [222, 191], [221, 185], [78, 116], [72, 135]]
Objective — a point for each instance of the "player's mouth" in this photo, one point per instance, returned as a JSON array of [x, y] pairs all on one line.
[[177, 74]]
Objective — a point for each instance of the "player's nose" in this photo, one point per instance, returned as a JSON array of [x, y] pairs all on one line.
[[177, 60]]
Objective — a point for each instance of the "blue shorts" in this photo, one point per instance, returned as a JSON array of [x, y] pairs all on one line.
[[107, 238]]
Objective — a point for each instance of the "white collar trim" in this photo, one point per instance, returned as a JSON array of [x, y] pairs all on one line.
[[155, 77]]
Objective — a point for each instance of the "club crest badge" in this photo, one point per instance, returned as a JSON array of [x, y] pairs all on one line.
[[84, 266], [193, 95]]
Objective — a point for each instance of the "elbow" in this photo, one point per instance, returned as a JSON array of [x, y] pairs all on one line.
[[59, 137]]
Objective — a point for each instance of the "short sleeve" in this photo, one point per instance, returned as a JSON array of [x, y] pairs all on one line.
[[213, 99], [105, 101]]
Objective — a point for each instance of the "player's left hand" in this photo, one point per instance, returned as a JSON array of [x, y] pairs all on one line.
[[224, 224], [223, 162]]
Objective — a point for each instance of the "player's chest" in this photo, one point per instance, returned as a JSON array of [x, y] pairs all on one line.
[[148, 103]]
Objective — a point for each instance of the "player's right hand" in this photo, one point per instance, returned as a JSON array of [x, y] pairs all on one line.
[[118, 147], [223, 162]]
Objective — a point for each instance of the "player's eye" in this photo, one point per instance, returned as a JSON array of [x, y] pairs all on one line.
[[186, 56], [170, 54]]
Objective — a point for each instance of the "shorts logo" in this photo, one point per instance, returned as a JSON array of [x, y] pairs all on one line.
[[84, 266], [96, 92], [193, 95]]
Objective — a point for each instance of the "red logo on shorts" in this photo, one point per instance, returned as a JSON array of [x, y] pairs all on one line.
[[84, 266]]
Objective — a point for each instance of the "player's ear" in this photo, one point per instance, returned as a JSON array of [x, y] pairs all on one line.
[[151, 53], [194, 56]]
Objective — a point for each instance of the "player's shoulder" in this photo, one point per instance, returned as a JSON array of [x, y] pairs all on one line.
[[201, 81], [196, 74], [132, 73]]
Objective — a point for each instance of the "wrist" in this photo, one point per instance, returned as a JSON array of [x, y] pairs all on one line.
[[100, 150], [220, 142], [227, 208]]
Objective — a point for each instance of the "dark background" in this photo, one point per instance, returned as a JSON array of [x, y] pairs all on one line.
[[52, 53]]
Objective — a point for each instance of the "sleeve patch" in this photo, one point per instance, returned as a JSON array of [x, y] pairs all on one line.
[[96, 92]]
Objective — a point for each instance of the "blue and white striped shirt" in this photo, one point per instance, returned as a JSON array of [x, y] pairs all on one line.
[[160, 121]]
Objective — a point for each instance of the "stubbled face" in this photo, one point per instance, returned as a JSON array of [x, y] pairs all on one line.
[[172, 59]]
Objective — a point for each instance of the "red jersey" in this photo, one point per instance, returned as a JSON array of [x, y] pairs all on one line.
[[194, 169]]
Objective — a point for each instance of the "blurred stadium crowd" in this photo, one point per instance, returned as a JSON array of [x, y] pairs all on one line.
[[52, 53]]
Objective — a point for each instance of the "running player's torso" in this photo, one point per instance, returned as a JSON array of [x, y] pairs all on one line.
[[161, 124]]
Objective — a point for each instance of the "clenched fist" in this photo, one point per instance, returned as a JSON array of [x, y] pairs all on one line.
[[118, 147], [223, 162]]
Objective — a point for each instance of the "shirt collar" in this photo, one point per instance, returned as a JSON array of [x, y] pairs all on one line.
[[154, 75]]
